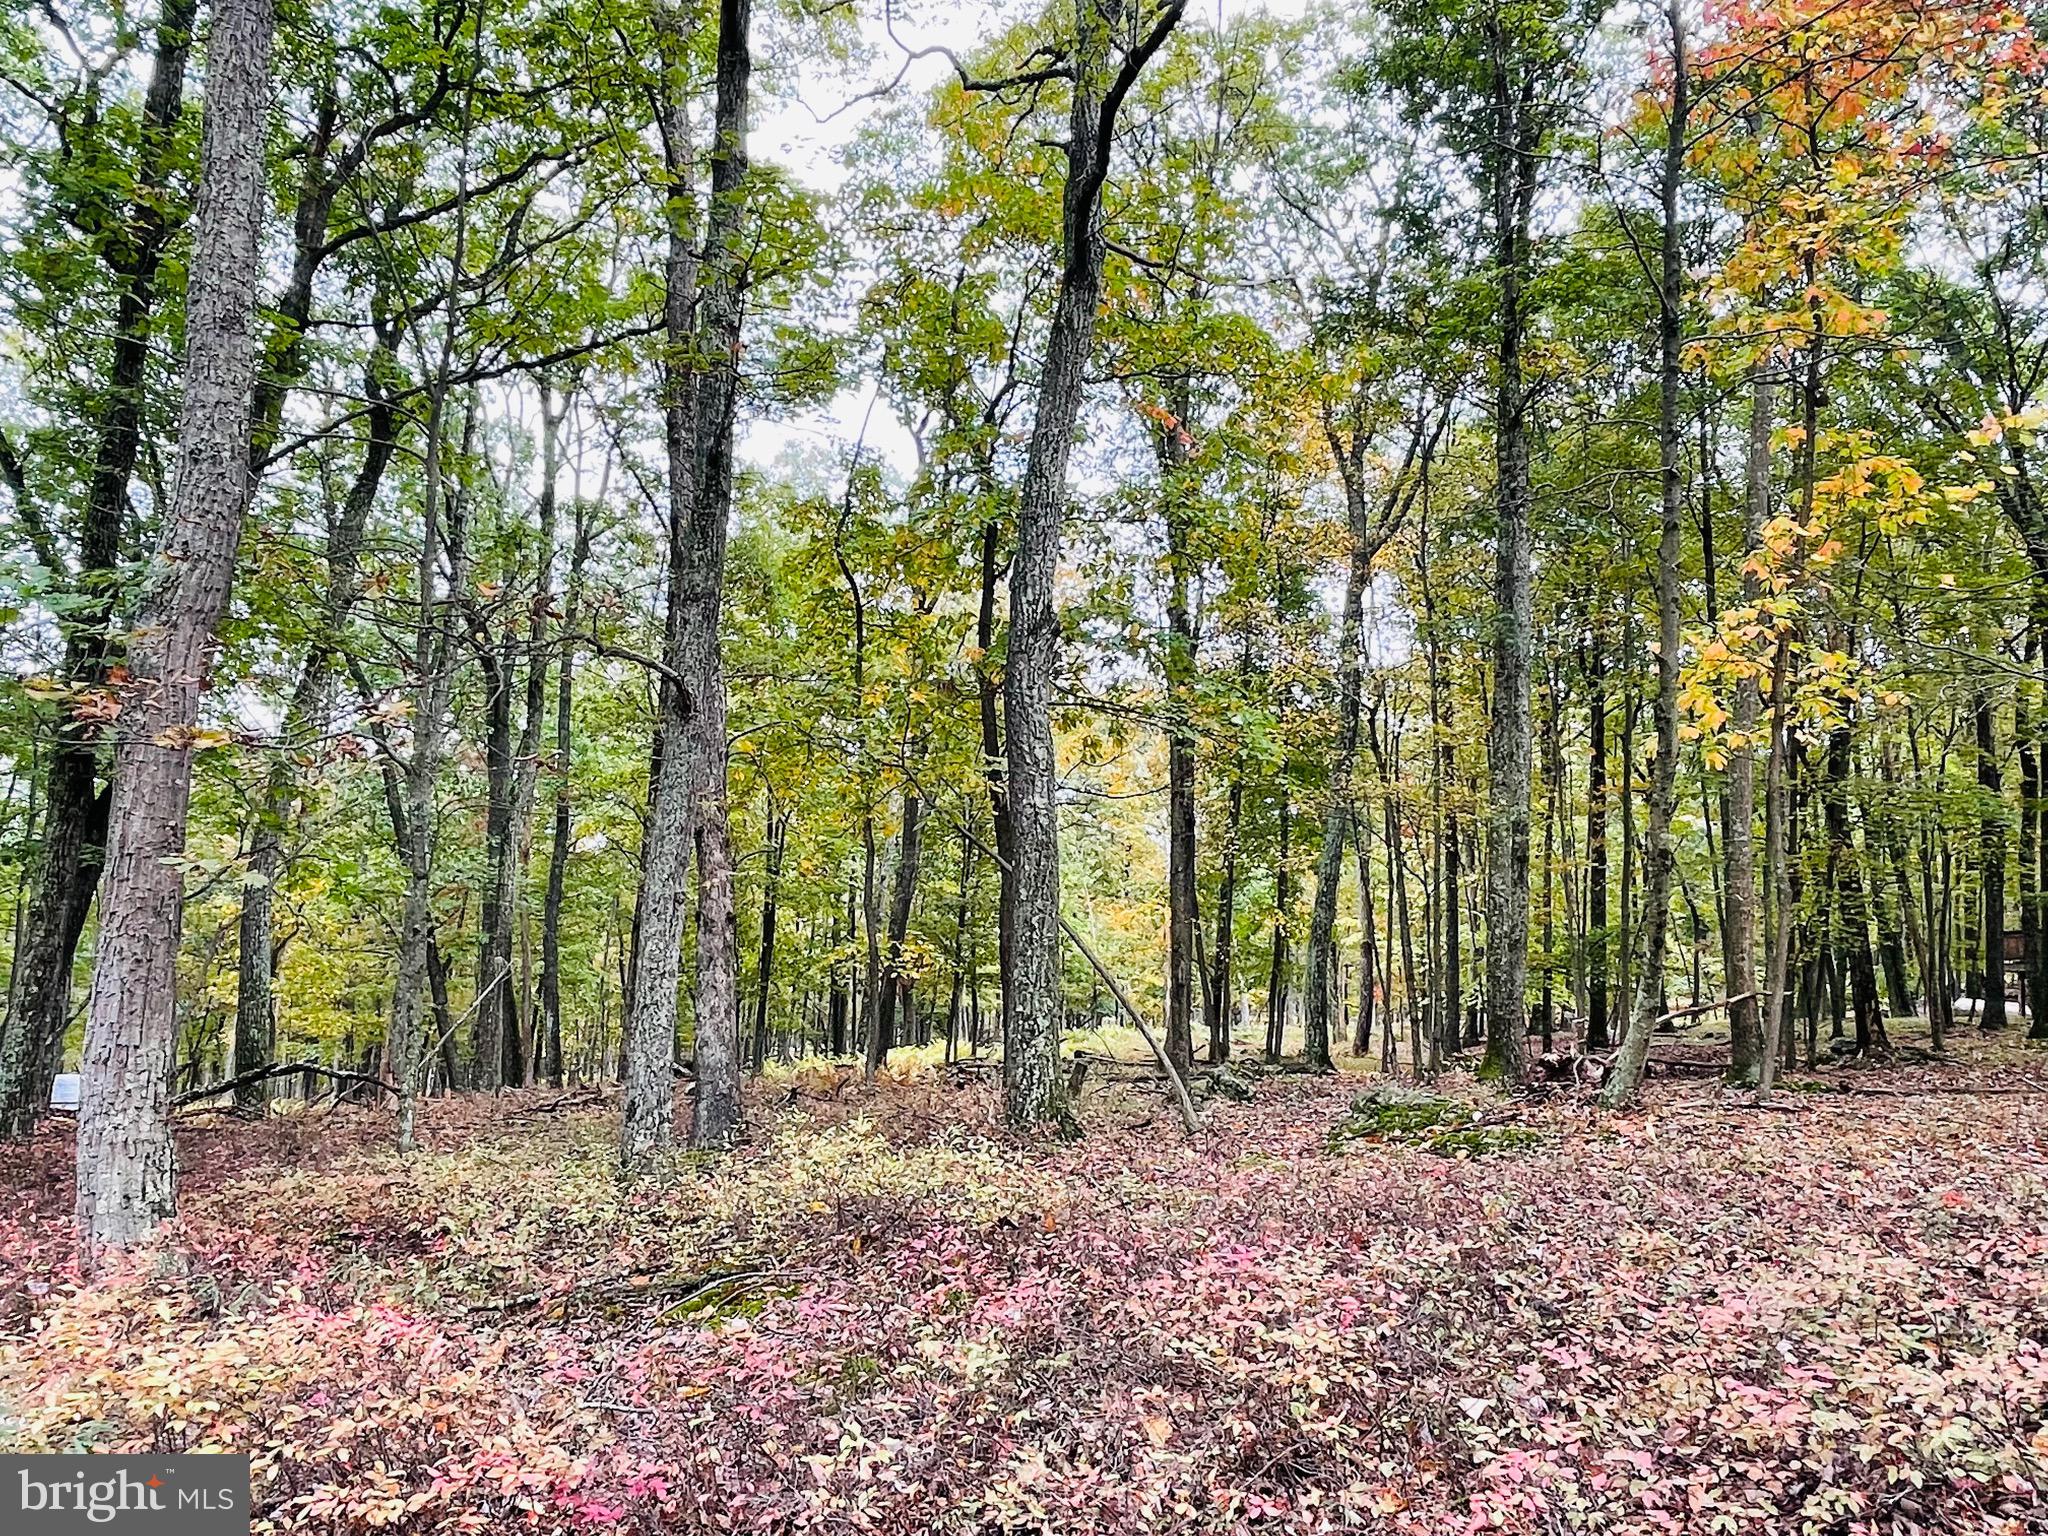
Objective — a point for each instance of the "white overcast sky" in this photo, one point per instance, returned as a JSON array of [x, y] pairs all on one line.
[[789, 133]]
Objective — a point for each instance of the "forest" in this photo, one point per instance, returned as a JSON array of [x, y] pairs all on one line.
[[872, 767]]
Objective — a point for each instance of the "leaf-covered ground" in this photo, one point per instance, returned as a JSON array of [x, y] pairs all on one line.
[[879, 1317]]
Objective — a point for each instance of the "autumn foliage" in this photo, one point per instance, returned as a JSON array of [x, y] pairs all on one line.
[[1832, 1317]]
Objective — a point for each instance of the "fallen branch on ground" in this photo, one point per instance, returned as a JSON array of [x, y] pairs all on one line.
[[286, 1069]]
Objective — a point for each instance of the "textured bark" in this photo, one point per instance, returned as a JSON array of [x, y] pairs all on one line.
[[647, 1050], [126, 1165], [1034, 1089], [75, 806], [1660, 853], [716, 1121], [1517, 140]]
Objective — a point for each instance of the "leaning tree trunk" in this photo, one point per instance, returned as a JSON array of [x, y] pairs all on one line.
[[1034, 1090], [126, 1165]]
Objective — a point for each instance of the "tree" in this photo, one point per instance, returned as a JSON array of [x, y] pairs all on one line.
[[1100, 75], [126, 1164]]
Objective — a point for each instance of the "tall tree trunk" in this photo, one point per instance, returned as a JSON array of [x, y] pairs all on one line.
[[1660, 854], [1173, 442], [1223, 956], [764, 970], [551, 1064], [838, 1009], [1511, 728], [1596, 845], [1034, 1088], [1990, 867], [1852, 905], [647, 1049], [126, 1166], [307, 710], [715, 1123], [1320, 995], [516, 776], [75, 807], [1368, 942], [1553, 777], [1745, 1030]]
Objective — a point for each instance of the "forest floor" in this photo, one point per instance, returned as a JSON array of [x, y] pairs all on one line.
[[1828, 1316]]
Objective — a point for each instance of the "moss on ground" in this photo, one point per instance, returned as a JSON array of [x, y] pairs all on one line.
[[1428, 1121]]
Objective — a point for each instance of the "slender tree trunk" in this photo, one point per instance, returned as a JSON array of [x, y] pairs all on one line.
[[126, 1165], [1990, 867], [764, 971], [1510, 728], [551, 1065], [1553, 776], [1777, 871], [1222, 958], [889, 983], [1660, 854], [307, 710], [1283, 902], [1745, 1031], [1596, 846], [1173, 444]]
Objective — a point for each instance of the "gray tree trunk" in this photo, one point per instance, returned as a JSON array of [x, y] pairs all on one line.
[[1659, 851], [1512, 725], [550, 1050], [1034, 1090], [126, 1162], [716, 1123], [1745, 1026], [254, 1017], [647, 1051]]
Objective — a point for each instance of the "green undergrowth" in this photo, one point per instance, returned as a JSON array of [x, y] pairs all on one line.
[[1447, 1127]]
